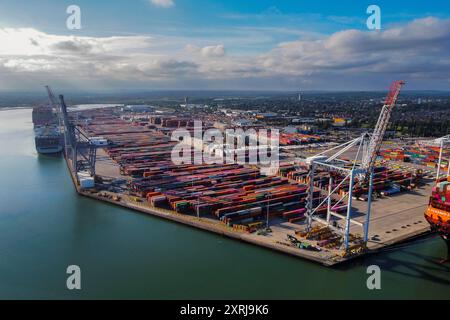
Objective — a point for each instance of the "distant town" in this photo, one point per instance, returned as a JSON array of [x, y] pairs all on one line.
[[418, 114]]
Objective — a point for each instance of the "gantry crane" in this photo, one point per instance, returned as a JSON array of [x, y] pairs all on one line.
[[78, 147], [368, 146], [63, 121], [376, 140], [442, 143], [82, 146]]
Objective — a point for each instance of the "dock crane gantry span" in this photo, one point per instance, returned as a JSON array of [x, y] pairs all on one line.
[[376, 140], [76, 143], [442, 143], [63, 120], [362, 166]]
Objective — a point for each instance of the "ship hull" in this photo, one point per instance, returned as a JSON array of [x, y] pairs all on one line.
[[54, 150], [49, 142], [48, 145], [47, 134], [439, 225], [439, 220]]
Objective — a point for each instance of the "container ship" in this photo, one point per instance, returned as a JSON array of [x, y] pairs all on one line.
[[438, 211], [48, 138]]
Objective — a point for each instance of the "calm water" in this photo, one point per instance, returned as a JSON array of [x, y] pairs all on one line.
[[45, 226]]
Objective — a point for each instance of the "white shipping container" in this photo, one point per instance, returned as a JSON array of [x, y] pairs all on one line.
[[86, 183]]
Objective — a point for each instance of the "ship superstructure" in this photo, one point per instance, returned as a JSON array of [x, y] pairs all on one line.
[[48, 137]]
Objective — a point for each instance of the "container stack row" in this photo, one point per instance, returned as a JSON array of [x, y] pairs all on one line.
[[427, 156], [386, 181]]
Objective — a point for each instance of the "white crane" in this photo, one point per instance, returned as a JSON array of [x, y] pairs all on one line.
[[368, 161], [368, 146]]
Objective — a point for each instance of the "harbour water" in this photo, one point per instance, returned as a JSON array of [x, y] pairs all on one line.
[[45, 227]]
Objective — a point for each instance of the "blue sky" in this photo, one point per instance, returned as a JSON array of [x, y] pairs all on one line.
[[184, 35], [281, 20]]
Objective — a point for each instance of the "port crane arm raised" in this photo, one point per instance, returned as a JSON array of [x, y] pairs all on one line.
[[368, 161]]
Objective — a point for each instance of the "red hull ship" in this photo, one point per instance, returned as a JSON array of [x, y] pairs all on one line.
[[438, 211]]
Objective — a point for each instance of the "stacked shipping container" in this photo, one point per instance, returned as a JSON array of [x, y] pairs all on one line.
[[238, 196]]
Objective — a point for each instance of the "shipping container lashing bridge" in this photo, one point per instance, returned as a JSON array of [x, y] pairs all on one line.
[[361, 168], [76, 143]]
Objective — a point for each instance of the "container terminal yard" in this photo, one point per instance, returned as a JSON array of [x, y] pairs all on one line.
[[327, 202]]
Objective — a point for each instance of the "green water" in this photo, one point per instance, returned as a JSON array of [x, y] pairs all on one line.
[[45, 226]]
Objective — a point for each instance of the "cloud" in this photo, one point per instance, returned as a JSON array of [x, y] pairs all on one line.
[[213, 51], [73, 46], [351, 59], [216, 51], [413, 48], [163, 3]]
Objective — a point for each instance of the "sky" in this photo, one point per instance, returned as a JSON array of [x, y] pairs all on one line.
[[223, 45]]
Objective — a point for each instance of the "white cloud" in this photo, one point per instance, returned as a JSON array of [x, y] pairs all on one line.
[[163, 3], [213, 51], [206, 52], [418, 51], [413, 48]]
